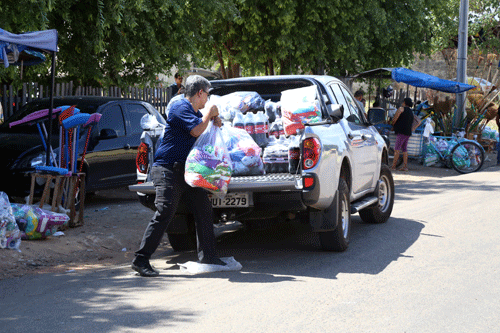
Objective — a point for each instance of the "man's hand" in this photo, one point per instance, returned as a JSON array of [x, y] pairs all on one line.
[[213, 112], [217, 121]]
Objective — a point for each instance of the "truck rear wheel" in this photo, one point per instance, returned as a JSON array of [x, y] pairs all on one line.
[[338, 239], [381, 211]]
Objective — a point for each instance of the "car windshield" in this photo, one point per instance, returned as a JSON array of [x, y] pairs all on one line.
[[36, 106]]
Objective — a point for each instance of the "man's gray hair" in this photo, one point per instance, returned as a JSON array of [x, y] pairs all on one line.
[[195, 83]]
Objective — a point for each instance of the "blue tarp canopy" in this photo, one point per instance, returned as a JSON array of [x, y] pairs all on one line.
[[416, 79], [26, 47], [423, 80]]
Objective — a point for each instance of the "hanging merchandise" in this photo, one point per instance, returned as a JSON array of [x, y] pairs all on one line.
[[10, 236], [208, 164], [299, 106], [243, 151]]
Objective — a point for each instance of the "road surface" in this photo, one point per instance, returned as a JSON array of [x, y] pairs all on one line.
[[433, 267]]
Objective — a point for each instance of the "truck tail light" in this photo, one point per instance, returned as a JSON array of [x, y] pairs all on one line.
[[312, 151], [142, 161]]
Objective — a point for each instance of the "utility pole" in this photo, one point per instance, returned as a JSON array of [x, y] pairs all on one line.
[[463, 24]]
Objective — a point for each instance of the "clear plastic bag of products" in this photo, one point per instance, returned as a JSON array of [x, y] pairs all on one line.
[[10, 236], [243, 151], [208, 164], [241, 101], [298, 107]]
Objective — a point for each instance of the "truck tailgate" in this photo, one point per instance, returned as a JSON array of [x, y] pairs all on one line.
[[265, 183]]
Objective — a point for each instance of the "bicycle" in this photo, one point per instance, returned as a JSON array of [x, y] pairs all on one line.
[[463, 155]]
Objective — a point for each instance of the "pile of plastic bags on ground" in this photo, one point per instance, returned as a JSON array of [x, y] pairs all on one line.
[[26, 222]]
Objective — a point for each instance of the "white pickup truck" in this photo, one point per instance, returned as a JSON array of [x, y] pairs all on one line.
[[342, 170]]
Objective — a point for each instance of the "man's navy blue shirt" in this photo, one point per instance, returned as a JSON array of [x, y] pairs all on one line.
[[177, 140]]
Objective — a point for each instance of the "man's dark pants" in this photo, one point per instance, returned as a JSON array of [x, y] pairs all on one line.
[[170, 187]]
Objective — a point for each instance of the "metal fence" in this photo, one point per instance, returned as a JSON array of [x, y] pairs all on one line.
[[12, 99]]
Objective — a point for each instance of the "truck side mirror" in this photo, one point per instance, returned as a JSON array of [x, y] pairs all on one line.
[[336, 112]]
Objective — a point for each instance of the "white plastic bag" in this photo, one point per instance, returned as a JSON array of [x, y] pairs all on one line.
[[10, 236], [208, 164], [197, 268]]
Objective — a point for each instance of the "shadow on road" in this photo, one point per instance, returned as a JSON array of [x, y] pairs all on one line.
[[104, 300], [290, 250]]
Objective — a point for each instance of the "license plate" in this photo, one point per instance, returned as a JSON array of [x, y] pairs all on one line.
[[239, 199]]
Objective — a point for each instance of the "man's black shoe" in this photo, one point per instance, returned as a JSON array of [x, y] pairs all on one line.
[[212, 261], [145, 270]]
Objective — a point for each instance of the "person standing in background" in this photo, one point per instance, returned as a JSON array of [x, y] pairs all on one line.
[[177, 85], [402, 123], [358, 95]]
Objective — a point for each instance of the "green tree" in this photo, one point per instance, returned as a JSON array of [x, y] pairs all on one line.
[[118, 42]]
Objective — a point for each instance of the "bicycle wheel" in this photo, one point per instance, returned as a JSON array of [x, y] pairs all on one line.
[[467, 156]]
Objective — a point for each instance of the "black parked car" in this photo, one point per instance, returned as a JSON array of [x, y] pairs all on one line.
[[111, 153]]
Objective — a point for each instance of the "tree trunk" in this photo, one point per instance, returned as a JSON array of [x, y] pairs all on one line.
[[221, 63], [271, 66]]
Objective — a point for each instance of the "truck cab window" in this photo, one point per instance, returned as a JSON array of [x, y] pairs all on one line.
[[112, 118]]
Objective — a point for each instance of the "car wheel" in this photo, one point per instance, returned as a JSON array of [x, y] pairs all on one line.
[[182, 242], [381, 211], [338, 239]]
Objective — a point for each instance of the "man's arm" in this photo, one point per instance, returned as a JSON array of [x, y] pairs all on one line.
[[201, 127], [396, 116]]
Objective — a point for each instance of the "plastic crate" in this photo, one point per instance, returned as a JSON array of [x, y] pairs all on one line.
[[414, 143]]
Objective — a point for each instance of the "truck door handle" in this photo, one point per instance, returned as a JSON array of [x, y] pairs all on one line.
[[363, 137], [350, 136]]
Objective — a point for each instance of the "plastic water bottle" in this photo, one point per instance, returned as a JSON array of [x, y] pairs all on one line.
[[238, 121], [260, 129], [281, 130], [249, 124]]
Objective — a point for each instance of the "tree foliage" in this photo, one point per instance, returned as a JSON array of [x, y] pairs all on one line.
[[124, 42]]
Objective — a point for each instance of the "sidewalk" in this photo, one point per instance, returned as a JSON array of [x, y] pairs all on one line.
[[417, 171]]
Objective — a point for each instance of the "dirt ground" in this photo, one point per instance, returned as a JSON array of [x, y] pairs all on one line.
[[114, 222]]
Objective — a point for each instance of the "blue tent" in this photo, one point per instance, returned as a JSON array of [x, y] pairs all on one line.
[[13, 47], [423, 80], [27, 46]]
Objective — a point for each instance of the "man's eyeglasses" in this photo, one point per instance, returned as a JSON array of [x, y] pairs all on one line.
[[206, 92]]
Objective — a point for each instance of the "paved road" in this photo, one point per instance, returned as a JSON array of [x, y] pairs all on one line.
[[433, 267]]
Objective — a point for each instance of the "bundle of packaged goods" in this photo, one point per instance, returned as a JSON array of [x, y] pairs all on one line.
[[298, 107], [37, 223], [243, 151], [276, 155], [255, 146]]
